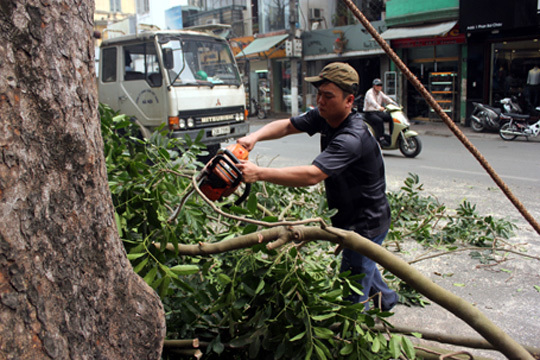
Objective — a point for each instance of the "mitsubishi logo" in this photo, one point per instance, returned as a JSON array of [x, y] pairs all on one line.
[[218, 103]]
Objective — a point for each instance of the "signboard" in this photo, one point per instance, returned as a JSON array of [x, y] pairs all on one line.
[[489, 15]]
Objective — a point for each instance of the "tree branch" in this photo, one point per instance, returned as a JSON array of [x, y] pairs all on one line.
[[400, 268]]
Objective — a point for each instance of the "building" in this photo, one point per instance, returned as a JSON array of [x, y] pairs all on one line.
[[426, 36], [503, 55]]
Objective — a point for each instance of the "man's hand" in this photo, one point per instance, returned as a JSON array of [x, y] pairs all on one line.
[[249, 170], [247, 141]]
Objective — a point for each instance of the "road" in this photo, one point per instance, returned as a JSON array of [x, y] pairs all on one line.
[[505, 293]]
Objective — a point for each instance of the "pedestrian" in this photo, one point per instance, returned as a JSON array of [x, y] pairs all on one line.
[[374, 102], [350, 163]]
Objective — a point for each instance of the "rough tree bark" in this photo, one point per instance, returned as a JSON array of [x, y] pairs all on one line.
[[67, 290]]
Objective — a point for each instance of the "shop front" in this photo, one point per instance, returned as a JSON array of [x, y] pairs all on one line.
[[433, 53], [261, 62], [503, 52]]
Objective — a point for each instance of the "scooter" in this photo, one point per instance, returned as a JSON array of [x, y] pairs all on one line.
[[485, 117], [402, 137], [518, 125], [488, 117]]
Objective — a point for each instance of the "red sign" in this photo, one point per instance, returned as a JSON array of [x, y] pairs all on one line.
[[452, 37]]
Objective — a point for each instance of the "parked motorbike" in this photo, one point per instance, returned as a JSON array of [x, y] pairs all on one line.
[[518, 125], [485, 117], [488, 117], [402, 137], [259, 110], [511, 105]]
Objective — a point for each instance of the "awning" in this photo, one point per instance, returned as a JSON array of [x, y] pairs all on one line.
[[418, 31], [262, 45]]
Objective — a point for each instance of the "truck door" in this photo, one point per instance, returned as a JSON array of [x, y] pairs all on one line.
[[141, 87]]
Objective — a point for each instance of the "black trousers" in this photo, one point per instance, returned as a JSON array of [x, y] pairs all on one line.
[[377, 119]]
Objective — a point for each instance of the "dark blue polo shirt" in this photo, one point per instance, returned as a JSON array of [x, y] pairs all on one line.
[[356, 184]]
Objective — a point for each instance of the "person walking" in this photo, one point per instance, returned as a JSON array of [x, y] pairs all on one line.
[[374, 102], [351, 165]]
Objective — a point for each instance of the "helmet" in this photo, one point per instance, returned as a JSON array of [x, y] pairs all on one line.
[[377, 82], [201, 75]]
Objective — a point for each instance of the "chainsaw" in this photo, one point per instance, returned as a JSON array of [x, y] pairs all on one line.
[[221, 177]]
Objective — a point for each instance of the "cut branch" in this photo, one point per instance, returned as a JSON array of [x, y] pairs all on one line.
[[456, 305]]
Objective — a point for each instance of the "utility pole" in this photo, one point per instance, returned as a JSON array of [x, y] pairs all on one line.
[[293, 56]]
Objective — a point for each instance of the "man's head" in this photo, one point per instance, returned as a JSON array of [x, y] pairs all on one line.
[[336, 83], [341, 74], [377, 84]]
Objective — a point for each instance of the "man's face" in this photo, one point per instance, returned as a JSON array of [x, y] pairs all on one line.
[[333, 107]]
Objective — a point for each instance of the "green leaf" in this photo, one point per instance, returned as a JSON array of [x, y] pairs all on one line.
[[537, 288], [141, 265], [320, 353], [323, 333], [298, 337], [260, 287], [135, 256], [394, 347], [408, 347], [376, 345], [224, 279], [323, 317], [347, 349], [185, 269], [150, 276], [252, 203], [459, 285]]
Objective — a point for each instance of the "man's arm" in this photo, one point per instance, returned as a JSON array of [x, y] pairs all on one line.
[[305, 175], [274, 130]]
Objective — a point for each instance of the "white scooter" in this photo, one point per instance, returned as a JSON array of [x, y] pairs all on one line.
[[402, 137]]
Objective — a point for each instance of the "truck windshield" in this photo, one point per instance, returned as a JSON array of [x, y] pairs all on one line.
[[201, 62]]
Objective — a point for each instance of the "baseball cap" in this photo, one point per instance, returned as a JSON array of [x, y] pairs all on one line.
[[377, 82], [341, 74]]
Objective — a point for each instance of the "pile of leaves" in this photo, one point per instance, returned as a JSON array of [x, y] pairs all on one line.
[[256, 303]]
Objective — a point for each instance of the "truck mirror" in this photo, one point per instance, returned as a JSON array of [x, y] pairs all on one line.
[[168, 58]]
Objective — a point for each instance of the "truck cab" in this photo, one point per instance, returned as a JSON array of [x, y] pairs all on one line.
[[186, 79]]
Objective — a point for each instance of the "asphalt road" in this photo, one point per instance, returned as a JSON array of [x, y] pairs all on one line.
[[506, 293]]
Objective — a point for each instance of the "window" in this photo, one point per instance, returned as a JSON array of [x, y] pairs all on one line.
[[143, 6], [199, 61], [116, 5], [141, 63], [108, 65]]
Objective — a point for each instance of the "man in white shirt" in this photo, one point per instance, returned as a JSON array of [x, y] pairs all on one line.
[[374, 103]]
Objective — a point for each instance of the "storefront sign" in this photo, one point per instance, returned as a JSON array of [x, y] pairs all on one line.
[[489, 15], [452, 37]]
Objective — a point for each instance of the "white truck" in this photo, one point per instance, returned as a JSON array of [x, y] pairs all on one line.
[[188, 79]]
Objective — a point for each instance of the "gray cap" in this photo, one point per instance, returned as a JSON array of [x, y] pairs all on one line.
[[341, 74], [377, 82]]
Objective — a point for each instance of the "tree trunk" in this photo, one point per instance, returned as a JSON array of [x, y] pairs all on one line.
[[67, 290]]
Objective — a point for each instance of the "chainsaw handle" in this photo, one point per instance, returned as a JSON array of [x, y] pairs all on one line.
[[244, 196]]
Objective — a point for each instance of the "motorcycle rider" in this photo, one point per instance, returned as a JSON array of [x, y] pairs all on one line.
[[374, 103]]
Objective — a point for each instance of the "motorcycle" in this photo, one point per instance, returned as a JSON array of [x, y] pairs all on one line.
[[402, 137], [518, 125], [259, 110], [488, 117], [485, 117], [511, 105]]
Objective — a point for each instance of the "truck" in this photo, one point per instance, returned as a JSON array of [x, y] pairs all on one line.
[[187, 79]]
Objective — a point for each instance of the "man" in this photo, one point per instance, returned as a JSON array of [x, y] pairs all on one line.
[[374, 103], [350, 163]]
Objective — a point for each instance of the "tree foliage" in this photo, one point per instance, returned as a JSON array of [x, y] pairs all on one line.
[[286, 303]]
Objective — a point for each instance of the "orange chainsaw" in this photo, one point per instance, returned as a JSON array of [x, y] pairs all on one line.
[[220, 177]]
